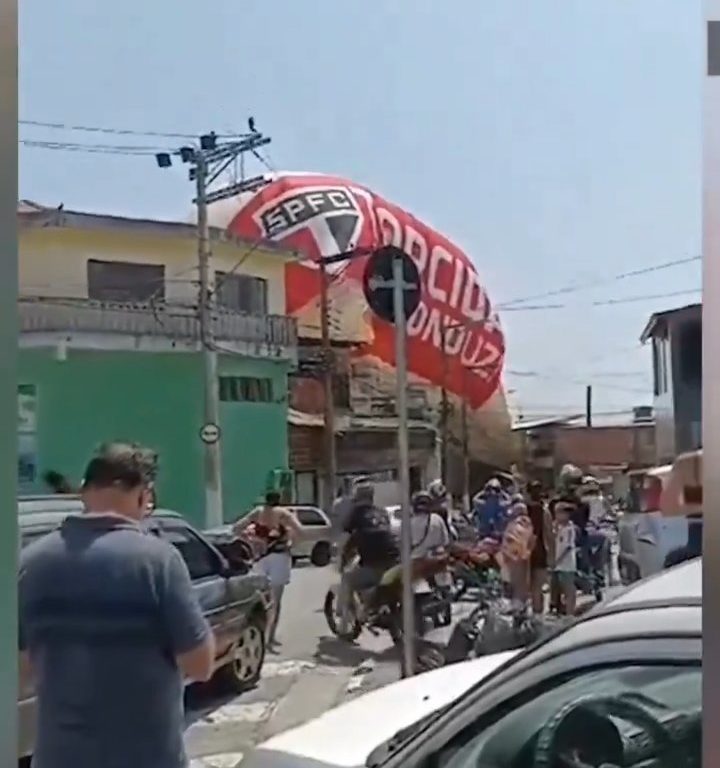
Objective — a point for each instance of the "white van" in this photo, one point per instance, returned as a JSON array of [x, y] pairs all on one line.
[[646, 535]]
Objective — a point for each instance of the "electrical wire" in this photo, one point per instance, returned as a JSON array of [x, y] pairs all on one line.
[[595, 283], [122, 131], [630, 299]]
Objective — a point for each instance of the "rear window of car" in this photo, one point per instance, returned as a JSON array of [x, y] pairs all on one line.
[[29, 536], [309, 516]]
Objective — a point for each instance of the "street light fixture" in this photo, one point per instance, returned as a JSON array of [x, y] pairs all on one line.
[[208, 141], [163, 159]]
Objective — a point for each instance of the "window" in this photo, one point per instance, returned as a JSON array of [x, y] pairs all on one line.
[[508, 735], [239, 389], [691, 353], [660, 365], [242, 293], [125, 282], [309, 516], [199, 558]]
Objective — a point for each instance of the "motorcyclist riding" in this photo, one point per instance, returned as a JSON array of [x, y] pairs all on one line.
[[370, 536], [441, 506]]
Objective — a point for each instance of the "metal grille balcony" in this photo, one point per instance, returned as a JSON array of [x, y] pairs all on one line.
[[167, 321]]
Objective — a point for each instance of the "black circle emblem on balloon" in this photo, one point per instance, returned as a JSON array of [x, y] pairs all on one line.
[[378, 283]]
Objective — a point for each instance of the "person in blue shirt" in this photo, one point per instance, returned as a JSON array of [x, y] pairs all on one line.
[[491, 510]]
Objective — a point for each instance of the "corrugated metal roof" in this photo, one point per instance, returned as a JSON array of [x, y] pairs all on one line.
[[346, 423], [524, 426]]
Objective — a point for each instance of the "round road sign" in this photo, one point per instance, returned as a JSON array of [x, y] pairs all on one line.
[[210, 433], [378, 283]]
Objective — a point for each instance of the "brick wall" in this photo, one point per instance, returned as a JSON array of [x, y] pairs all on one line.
[[586, 446], [305, 448]]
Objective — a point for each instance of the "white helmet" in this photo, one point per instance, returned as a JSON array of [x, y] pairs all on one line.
[[437, 490]]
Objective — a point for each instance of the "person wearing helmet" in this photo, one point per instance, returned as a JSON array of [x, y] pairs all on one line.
[[370, 536], [441, 506], [428, 531], [491, 510]]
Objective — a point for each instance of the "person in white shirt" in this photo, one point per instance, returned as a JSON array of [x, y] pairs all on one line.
[[565, 557], [428, 532]]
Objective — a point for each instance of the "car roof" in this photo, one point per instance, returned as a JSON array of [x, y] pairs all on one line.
[[50, 511], [669, 587]]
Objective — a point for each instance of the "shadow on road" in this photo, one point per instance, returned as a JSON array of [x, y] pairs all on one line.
[[338, 653]]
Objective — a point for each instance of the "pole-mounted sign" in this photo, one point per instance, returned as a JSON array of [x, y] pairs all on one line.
[[379, 283], [392, 287]]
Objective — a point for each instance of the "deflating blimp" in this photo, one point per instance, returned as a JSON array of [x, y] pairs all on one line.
[[455, 341]]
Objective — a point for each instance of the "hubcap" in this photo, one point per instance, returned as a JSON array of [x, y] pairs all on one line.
[[248, 653]]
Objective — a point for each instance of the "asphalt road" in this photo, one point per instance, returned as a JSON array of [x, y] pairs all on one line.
[[312, 671]]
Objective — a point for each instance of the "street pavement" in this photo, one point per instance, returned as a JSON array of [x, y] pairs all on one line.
[[311, 672]]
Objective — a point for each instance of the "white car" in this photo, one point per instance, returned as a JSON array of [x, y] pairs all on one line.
[[618, 686]]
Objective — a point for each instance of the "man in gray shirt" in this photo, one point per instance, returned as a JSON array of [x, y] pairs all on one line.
[[110, 627]]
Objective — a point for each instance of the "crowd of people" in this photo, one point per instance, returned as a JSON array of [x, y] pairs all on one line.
[[540, 539]]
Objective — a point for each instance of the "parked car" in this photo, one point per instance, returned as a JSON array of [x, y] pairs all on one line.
[[645, 535], [316, 543], [235, 601], [618, 686]]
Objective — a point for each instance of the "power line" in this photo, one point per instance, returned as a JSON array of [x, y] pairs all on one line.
[[588, 285], [122, 131], [631, 299], [102, 149]]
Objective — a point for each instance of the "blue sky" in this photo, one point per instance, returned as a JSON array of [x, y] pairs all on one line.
[[557, 141]]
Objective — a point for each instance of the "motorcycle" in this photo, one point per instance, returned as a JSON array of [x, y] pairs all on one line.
[[470, 566], [379, 609], [595, 559]]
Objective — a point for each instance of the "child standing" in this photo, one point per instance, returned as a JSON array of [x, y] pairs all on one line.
[[565, 557]]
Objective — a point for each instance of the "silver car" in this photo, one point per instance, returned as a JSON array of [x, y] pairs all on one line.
[[316, 542]]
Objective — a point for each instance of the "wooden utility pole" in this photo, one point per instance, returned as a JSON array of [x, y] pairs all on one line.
[[465, 446], [444, 408], [328, 369], [588, 406]]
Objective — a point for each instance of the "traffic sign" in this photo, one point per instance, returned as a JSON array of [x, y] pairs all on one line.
[[210, 433], [378, 283]]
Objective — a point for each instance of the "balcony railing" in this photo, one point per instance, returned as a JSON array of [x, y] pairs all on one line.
[[168, 321]]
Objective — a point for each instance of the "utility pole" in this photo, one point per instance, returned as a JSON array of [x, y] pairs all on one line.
[[408, 597], [207, 161], [328, 370], [206, 309], [588, 406], [465, 446], [444, 407]]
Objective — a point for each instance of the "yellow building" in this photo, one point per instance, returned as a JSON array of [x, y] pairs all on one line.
[[63, 253], [109, 350]]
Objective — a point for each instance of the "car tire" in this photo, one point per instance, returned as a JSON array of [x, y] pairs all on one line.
[[321, 554], [248, 654]]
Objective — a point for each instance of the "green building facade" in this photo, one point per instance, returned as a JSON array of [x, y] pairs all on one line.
[[69, 404]]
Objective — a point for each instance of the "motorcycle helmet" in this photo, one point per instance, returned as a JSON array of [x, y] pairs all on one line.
[[570, 477], [437, 490], [422, 502]]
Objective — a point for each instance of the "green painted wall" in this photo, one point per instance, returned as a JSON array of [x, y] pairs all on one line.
[[254, 436], [156, 399]]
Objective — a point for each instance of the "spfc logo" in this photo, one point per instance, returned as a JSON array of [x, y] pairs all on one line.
[[331, 214]]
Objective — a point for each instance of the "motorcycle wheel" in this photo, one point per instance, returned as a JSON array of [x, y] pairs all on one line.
[[333, 623]]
